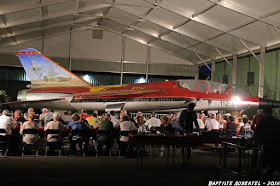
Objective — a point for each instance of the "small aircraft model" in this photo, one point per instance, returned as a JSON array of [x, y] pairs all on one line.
[[62, 90]]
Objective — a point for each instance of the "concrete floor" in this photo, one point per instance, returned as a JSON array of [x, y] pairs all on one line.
[[109, 170]]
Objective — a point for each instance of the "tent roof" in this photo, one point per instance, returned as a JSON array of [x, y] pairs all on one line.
[[197, 31]]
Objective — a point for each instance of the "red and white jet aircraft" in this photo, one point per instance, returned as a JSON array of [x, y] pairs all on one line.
[[55, 87]]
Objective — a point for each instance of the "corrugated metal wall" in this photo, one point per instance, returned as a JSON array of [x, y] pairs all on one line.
[[9, 60], [18, 74], [107, 66], [134, 68]]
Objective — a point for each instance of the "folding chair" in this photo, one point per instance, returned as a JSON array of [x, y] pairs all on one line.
[[35, 145], [246, 133], [217, 132], [77, 137], [56, 144], [4, 141], [230, 132]]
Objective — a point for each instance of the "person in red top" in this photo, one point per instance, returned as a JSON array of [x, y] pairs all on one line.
[[256, 120], [85, 115]]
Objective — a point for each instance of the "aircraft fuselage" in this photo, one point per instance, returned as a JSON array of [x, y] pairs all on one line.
[[167, 96]]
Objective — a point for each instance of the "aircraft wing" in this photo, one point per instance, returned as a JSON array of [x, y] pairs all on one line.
[[119, 91]]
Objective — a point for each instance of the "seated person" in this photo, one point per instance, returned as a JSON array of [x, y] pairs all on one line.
[[126, 126], [154, 122], [139, 113], [92, 120], [132, 119], [116, 122], [230, 126], [246, 127], [212, 123], [85, 113], [56, 125], [46, 116], [16, 137], [67, 118], [18, 118], [240, 122], [165, 126], [141, 124], [221, 121], [7, 124], [175, 124], [78, 125], [104, 135], [81, 115], [200, 123], [29, 124], [59, 119], [28, 111]]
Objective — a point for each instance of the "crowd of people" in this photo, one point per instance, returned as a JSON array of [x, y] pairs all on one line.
[[105, 129], [112, 126]]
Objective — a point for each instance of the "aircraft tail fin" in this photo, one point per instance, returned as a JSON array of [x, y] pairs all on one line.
[[43, 72]]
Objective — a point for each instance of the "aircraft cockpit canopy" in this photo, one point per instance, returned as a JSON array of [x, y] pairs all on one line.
[[202, 85]]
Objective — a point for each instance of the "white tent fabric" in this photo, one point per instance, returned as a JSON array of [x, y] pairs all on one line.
[[197, 31]]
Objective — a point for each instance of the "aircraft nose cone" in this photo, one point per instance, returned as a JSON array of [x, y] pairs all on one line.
[[268, 103]]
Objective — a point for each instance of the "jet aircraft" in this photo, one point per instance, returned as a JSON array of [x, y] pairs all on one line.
[[74, 93]]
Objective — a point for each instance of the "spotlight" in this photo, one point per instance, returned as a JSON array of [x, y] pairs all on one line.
[[236, 100], [86, 77], [142, 80]]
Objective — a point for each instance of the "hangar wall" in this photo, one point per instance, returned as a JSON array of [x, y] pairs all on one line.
[[250, 64], [96, 60], [94, 65], [101, 55], [84, 46]]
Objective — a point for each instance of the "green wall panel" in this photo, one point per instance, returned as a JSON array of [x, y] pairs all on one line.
[[250, 64], [219, 72], [228, 71], [272, 78], [254, 66], [241, 74]]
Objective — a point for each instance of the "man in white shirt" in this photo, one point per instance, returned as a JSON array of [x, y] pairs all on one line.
[[200, 123], [6, 122], [125, 126], [202, 117], [47, 116], [221, 121], [153, 122], [212, 123], [67, 118]]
